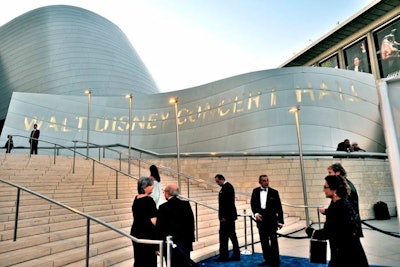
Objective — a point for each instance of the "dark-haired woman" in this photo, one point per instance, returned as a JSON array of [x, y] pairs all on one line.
[[157, 194], [341, 226], [144, 220]]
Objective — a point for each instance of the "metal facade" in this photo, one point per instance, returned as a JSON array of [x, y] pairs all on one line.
[[53, 54], [64, 50]]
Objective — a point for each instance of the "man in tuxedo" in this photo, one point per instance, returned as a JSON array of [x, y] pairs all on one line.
[[34, 139], [175, 218], [267, 209], [227, 216], [344, 146]]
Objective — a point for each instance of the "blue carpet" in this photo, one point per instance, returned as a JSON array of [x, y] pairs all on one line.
[[254, 259]]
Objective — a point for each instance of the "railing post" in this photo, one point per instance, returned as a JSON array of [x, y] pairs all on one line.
[[252, 234], [73, 161], [187, 184], [16, 214], [120, 161], [116, 184], [87, 241], [99, 153], [169, 244], [197, 223], [140, 166], [245, 251], [93, 173], [55, 148], [140, 163], [319, 219]]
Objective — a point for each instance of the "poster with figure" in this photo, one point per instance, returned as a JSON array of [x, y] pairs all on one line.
[[356, 57], [387, 42]]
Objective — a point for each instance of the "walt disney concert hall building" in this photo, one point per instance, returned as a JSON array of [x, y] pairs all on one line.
[[51, 55]]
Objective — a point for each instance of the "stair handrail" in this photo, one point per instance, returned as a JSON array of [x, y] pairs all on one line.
[[199, 180], [75, 152], [188, 177], [87, 216]]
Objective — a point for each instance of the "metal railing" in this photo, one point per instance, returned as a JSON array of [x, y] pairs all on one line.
[[88, 217], [187, 178], [122, 156]]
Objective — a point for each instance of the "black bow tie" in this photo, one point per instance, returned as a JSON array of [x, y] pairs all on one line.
[[263, 189]]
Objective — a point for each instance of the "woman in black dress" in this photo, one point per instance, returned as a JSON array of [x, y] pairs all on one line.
[[341, 226], [144, 219]]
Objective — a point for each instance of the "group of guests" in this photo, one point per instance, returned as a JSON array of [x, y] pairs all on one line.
[[33, 141], [156, 218], [347, 147], [342, 225], [175, 218], [268, 214]]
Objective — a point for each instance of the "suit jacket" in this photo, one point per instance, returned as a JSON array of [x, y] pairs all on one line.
[[226, 203], [34, 134], [273, 213], [175, 218]]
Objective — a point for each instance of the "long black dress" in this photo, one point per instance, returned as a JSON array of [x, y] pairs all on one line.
[[143, 209], [341, 229]]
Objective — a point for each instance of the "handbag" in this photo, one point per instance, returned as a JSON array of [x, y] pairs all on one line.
[[317, 250]]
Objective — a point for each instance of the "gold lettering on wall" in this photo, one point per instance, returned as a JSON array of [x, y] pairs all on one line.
[[273, 97], [29, 122], [64, 126], [231, 106], [101, 125]]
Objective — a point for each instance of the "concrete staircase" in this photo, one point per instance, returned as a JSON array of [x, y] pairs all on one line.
[[49, 235]]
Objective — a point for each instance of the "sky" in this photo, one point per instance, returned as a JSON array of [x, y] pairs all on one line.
[[186, 43]]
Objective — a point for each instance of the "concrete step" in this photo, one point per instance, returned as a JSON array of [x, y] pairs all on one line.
[[51, 236]]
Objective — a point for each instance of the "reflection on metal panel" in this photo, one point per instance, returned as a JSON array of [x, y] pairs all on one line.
[[63, 50], [248, 112]]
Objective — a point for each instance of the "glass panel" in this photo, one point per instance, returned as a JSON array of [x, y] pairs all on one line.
[[331, 62], [356, 57], [387, 42]]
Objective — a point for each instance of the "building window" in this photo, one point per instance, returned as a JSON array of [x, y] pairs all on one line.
[[387, 43], [356, 57], [331, 62]]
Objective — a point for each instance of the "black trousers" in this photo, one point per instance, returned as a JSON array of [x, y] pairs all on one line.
[[227, 231], [34, 147], [144, 255], [269, 243]]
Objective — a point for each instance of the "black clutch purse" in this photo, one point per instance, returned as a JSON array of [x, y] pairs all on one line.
[[317, 250]]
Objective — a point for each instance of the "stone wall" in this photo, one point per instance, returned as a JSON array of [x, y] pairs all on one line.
[[371, 177]]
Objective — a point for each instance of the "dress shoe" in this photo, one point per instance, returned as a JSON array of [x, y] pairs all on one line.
[[265, 263], [221, 260]]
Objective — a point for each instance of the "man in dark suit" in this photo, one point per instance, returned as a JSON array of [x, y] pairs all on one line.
[[344, 146], [175, 218], [34, 139], [227, 216], [267, 209]]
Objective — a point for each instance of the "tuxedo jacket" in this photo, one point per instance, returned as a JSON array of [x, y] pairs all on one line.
[[273, 213], [34, 134], [226, 201], [175, 218]]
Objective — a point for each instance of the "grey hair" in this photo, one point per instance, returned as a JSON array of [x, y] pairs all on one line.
[[142, 183], [172, 189]]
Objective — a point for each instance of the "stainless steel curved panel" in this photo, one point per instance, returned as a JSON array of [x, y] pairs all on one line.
[[65, 50], [248, 112]]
